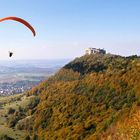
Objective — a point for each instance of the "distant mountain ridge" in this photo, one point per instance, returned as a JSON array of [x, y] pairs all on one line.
[[94, 97]]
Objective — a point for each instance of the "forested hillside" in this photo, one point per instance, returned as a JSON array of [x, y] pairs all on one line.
[[93, 97]]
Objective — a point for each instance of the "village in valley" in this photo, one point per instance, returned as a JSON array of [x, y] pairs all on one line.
[[7, 89]]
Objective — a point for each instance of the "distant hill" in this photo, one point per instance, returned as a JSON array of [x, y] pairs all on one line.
[[93, 97], [18, 76]]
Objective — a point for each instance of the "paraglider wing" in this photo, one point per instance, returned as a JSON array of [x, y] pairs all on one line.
[[21, 21]]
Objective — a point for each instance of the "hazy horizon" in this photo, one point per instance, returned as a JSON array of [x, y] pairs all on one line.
[[36, 63]]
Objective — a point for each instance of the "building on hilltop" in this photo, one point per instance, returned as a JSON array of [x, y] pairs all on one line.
[[95, 51]]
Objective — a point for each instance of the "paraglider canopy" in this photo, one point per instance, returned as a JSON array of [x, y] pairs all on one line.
[[21, 21]]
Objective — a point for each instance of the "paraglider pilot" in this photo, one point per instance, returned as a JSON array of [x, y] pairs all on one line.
[[10, 54]]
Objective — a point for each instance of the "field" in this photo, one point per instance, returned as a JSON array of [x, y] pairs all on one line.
[[12, 102]]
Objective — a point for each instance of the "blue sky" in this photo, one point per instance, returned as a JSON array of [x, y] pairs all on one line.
[[65, 28]]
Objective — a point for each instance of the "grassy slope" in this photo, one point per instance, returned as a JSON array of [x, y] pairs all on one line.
[[14, 102]]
